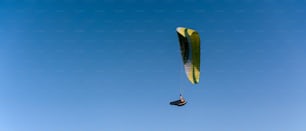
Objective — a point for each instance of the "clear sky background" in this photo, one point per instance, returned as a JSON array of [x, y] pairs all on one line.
[[115, 65]]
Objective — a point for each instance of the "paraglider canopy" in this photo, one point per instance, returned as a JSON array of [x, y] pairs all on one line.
[[189, 40]]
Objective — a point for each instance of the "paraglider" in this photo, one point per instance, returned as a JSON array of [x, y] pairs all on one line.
[[189, 41]]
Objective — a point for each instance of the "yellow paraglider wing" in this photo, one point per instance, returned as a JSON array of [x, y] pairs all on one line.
[[190, 50]]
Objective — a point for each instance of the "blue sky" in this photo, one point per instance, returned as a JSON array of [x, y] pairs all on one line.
[[115, 65]]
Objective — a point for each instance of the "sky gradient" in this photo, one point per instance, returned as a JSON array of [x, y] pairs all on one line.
[[115, 65]]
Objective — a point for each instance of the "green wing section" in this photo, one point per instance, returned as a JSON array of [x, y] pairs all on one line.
[[191, 51]]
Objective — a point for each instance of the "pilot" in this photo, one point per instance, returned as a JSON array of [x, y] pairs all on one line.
[[180, 102]]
